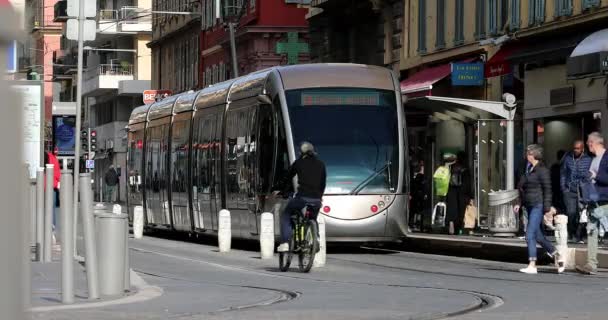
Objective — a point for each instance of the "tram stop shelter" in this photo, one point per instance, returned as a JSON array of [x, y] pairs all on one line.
[[480, 131]]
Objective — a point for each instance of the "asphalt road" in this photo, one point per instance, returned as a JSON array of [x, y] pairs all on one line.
[[198, 282]]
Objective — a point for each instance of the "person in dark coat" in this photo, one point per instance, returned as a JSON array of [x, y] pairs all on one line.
[[459, 194], [574, 171], [536, 196]]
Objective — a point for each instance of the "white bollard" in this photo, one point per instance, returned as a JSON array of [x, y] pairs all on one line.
[[138, 222], [224, 234], [267, 235], [321, 256], [116, 209]]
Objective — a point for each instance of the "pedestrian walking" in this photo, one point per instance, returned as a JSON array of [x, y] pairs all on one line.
[[111, 180], [574, 171], [597, 219], [51, 158], [535, 189]]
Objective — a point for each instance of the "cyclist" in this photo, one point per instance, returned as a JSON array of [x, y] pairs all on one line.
[[311, 186]]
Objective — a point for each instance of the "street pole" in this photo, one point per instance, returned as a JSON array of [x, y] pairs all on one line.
[[235, 70], [67, 258], [78, 113]]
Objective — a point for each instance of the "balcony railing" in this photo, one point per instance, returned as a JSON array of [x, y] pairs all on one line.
[[111, 15], [61, 11], [123, 69]]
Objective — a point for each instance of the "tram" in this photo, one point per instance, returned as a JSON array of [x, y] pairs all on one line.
[[226, 146]]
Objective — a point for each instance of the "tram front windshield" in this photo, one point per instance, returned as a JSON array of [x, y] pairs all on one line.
[[354, 131]]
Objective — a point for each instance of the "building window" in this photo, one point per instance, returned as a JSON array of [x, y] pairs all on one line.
[[563, 8], [515, 11], [222, 72], [536, 15], [216, 74], [493, 13], [440, 24], [480, 19], [252, 5], [459, 21], [422, 26], [588, 4]]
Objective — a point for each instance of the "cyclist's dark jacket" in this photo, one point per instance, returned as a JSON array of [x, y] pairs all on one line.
[[311, 177]]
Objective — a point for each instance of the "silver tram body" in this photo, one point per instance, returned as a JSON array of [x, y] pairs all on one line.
[[224, 147]]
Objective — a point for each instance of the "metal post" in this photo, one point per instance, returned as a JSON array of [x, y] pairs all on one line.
[[49, 205], [235, 70], [81, 19], [39, 213], [67, 243], [89, 235], [31, 203], [510, 154], [127, 277]]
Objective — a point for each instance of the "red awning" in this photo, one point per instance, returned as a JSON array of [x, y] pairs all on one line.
[[498, 65], [422, 81]]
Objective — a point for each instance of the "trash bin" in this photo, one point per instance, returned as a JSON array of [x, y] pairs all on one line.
[[502, 221], [111, 246]]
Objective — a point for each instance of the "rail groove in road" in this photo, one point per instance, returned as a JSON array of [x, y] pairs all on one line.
[[481, 300]]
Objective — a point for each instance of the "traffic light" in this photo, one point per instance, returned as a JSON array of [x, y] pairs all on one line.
[[84, 140], [93, 141]]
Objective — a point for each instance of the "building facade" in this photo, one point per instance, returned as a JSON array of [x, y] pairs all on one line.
[[367, 32], [269, 33], [117, 69], [175, 45]]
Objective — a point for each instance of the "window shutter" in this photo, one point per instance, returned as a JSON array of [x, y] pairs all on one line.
[[531, 12], [515, 11], [480, 19], [459, 20], [588, 4], [540, 11], [422, 26], [493, 18], [440, 41]]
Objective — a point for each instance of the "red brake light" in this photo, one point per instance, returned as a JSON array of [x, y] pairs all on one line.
[[374, 208], [326, 209]]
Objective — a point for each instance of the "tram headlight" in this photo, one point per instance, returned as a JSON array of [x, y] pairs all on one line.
[[387, 198], [381, 204]]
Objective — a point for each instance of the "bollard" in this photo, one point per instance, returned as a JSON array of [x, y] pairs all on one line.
[[39, 213], [49, 205], [88, 225], [561, 236], [224, 234], [117, 210], [138, 222], [267, 235], [111, 241], [321, 256], [67, 243]]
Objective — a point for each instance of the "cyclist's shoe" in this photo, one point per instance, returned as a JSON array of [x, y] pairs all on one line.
[[283, 247]]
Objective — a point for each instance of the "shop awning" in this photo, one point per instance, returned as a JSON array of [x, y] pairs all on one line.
[[550, 49], [498, 65], [422, 82], [590, 57], [466, 110]]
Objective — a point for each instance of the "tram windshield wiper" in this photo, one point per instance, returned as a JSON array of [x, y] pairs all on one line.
[[369, 179]]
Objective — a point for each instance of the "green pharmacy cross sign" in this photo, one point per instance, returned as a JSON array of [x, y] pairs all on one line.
[[292, 48]]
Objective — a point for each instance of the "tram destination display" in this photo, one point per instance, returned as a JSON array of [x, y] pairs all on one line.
[[340, 99]]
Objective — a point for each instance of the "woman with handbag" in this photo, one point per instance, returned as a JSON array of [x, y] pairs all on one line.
[[536, 195]]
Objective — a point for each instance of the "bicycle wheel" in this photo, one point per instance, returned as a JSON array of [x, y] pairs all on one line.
[[309, 246], [285, 257]]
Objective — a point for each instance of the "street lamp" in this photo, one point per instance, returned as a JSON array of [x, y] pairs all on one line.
[[232, 11], [510, 103]]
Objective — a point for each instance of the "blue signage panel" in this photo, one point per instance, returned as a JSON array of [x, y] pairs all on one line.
[[467, 74]]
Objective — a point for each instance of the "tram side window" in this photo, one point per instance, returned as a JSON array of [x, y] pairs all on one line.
[[135, 160], [236, 137], [282, 159], [179, 155]]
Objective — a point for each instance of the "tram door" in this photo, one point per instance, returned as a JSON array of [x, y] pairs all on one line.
[[134, 168], [206, 167]]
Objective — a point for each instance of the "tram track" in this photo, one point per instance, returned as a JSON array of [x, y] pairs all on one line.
[[481, 301]]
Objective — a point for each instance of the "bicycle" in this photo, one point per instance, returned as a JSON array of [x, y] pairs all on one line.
[[303, 241]]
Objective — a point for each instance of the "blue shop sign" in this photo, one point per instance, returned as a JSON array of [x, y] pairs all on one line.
[[467, 74]]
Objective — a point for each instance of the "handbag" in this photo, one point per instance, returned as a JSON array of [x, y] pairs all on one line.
[[470, 217], [588, 192]]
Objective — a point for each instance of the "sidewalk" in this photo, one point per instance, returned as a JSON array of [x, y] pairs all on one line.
[[493, 248]]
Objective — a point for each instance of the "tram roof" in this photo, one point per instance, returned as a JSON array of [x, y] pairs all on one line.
[[336, 75], [184, 102], [213, 95], [139, 114], [163, 108]]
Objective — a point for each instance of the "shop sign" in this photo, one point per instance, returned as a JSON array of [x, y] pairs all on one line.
[[467, 74], [151, 96]]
